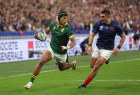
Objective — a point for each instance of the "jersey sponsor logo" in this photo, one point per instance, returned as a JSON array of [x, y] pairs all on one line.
[[62, 29], [112, 28], [101, 28]]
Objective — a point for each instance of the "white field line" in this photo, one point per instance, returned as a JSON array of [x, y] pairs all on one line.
[[31, 73], [27, 74], [113, 80], [57, 70]]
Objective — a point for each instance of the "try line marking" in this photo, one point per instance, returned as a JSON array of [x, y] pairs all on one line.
[[57, 69]]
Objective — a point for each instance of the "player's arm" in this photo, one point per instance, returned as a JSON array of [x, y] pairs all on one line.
[[123, 37], [91, 39], [46, 30], [73, 41], [71, 45], [116, 50]]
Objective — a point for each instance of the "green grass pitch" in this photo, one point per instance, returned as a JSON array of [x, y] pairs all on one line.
[[120, 77]]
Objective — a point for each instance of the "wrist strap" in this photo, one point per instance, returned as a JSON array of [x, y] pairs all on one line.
[[89, 44], [118, 47]]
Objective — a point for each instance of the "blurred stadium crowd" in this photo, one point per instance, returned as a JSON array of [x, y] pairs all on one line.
[[28, 15]]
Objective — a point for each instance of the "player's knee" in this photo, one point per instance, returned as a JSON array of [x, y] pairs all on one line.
[[61, 69], [91, 66]]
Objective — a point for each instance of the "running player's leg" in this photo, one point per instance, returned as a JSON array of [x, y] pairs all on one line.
[[100, 61], [61, 60], [74, 62], [104, 55], [47, 56], [44, 59], [94, 57], [92, 61], [64, 66], [67, 61]]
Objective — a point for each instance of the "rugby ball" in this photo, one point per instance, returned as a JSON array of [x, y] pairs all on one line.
[[41, 34]]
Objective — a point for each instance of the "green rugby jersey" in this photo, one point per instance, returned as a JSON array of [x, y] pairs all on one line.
[[60, 37]]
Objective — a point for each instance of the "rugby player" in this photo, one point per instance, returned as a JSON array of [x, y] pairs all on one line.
[[107, 30], [61, 33]]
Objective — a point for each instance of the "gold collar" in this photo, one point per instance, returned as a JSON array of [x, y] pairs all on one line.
[[63, 25]]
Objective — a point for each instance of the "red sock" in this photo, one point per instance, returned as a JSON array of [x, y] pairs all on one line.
[[88, 80]]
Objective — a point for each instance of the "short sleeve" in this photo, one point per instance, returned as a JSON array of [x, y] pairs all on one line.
[[119, 30], [95, 28], [69, 33]]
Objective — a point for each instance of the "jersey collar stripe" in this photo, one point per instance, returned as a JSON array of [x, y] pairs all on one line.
[[71, 36], [64, 25]]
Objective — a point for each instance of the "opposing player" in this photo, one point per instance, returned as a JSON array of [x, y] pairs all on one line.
[[61, 33], [107, 30]]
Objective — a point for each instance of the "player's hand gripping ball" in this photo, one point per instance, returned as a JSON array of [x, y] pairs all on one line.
[[41, 34]]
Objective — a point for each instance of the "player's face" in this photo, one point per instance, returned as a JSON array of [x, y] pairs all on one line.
[[64, 20], [104, 18]]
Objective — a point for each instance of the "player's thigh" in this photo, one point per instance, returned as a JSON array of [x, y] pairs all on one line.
[[46, 56], [51, 51], [106, 53], [61, 58], [100, 61], [95, 52]]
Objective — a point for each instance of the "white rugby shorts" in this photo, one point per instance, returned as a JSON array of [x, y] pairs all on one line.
[[59, 57], [101, 52]]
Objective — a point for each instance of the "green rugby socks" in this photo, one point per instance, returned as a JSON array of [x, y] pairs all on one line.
[[32, 78]]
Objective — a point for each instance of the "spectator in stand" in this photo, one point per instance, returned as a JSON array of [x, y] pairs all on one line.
[[126, 26], [35, 13]]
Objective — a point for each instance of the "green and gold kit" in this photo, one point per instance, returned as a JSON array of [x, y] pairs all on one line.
[[60, 37]]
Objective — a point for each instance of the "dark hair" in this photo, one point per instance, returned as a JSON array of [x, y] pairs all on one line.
[[61, 14], [106, 12]]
